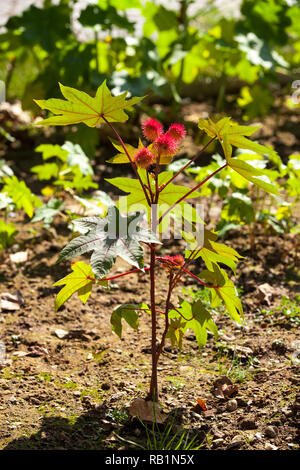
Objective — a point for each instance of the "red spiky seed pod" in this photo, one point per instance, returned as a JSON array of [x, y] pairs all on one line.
[[172, 262], [178, 260], [144, 158], [165, 145], [177, 131], [152, 129]]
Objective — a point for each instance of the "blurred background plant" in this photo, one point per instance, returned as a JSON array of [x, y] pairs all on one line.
[[240, 57], [159, 46]]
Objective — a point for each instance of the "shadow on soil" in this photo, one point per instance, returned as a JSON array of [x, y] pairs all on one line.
[[57, 433], [92, 431]]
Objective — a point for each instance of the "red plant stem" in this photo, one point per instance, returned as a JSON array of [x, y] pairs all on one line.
[[161, 258], [188, 163], [186, 319], [153, 392], [163, 338], [157, 191], [124, 274], [149, 187], [199, 280], [129, 158], [188, 261], [148, 268], [185, 196]]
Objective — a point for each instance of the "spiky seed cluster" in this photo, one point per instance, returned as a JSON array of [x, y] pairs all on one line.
[[144, 158], [173, 262], [152, 129], [177, 131], [165, 145], [178, 259]]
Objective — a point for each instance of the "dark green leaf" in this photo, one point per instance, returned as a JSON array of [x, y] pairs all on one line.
[[129, 313], [109, 237]]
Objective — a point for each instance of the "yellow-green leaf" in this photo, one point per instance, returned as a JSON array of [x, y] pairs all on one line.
[[129, 313], [122, 157], [136, 200], [211, 251], [21, 195], [255, 175], [175, 332], [81, 107], [231, 135], [223, 290], [195, 317], [80, 280]]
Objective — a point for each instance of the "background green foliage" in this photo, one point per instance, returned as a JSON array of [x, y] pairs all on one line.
[[176, 48], [173, 55]]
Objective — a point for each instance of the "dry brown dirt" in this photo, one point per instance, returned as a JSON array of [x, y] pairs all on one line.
[[73, 392]]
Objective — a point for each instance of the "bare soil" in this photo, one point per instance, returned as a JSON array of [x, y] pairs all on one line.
[[73, 393]]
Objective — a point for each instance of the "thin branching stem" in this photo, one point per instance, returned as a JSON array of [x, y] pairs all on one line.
[[185, 196], [163, 338], [130, 159], [189, 163], [160, 258], [125, 274], [153, 393], [181, 314]]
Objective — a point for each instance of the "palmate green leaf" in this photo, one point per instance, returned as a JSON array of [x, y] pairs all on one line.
[[238, 207], [212, 252], [195, 317], [136, 199], [73, 178], [80, 280], [7, 234], [81, 107], [50, 151], [121, 157], [129, 313], [255, 175], [251, 158], [223, 290], [46, 171], [21, 195], [109, 237], [76, 156], [232, 135], [47, 212], [175, 331]]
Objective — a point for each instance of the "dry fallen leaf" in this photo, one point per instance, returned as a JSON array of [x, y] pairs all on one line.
[[223, 387], [243, 351], [201, 409], [11, 301], [202, 404], [60, 333], [38, 351], [265, 293], [20, 353], [147, 411], [209, 413], [19, 257]]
